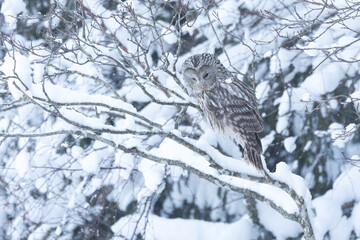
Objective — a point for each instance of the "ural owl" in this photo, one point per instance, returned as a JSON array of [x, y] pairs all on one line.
[[229, 105]]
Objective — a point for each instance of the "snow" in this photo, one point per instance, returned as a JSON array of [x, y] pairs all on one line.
[[267, 140], [289, 144], [355, 95], [268, 54], [307, 146], [331, 203], [58, 231], [323, 222], [95, 184], [3, 212], [10, 9], [291, 101], [355, 217], [224, 161], [91, 163], [169, 36], [306, 97], [17, 228], [126, 162], [158, 114], [49, 184], [153, 174], [22, 162], [337, 130], [333, 104], [262, 91], [17, 69], [40, 232], [285, 56], [351, 52], [163, 229], [63, 95], [342, 230], [324, 80], [228, 80], [129, 122], [295, 182], [168, 148], [176, 173], [280, 227], [352, 127], [226, 12], [77, 152], [41, 185], [282, 124]]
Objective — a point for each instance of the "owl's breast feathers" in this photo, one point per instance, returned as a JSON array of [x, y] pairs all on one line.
[[213, 111], [230, 106]]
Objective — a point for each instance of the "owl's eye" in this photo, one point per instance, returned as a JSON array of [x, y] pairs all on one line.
[[193, 79], [205, 75]]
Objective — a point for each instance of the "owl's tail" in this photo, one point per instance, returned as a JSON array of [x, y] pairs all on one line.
[[252, 153], [253, 157]]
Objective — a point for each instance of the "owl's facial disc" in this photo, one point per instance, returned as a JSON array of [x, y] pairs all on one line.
[[207, 76], [200, 80]]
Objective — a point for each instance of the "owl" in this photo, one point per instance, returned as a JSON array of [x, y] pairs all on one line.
[[228, 104]]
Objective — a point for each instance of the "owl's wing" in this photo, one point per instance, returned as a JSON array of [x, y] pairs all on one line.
[[240, 106], [241, 114]]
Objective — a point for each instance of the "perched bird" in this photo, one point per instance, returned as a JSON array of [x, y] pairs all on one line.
[[229, 105]]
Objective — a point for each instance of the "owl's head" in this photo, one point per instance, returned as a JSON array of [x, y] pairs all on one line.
[[200, 72]]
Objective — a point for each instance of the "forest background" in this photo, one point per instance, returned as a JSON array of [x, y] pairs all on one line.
[[99, 138]]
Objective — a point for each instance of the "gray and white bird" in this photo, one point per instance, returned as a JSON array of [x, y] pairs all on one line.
[[229, 105]]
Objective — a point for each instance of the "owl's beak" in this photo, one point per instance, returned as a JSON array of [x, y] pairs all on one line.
[[202, 85]]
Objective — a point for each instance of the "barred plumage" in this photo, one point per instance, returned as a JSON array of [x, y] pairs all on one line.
[[229, 105]]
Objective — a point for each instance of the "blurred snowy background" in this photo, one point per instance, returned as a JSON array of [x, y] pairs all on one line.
[[99, 139]]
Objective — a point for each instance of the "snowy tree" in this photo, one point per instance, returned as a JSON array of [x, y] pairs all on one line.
[[100, 139]]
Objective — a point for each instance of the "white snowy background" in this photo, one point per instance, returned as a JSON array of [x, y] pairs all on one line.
[[99, 139]]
